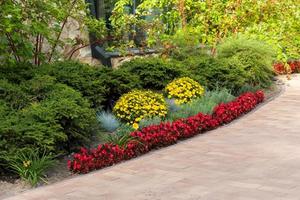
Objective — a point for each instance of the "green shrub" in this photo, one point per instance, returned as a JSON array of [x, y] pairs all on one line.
[[89, 80], [185, 43], [215, 73], [58, 121], [13, 94], [100, 85], [17, 73], [119, 82], [154, 73], [252, 56]]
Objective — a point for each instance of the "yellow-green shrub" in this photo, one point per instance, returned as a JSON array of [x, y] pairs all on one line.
[[139, 104], [184, 90]]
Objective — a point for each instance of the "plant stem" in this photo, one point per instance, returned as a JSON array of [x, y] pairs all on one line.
[[13, 47], [61, 30]]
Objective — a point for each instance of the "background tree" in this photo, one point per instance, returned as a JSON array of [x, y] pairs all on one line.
[[31, 30]]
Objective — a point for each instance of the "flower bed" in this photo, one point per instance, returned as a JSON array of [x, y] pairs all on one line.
[[164, 134], [294, 67]]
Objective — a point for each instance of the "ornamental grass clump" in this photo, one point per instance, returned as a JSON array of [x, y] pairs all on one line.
[[184, 89], [140, 104]]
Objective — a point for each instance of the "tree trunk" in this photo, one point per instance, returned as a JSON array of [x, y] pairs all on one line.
[[100, 9]]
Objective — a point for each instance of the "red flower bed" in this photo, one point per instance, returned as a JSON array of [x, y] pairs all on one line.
[[164, 134], [293, 65]]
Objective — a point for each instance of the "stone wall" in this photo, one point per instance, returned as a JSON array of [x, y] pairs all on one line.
[[72, 32]]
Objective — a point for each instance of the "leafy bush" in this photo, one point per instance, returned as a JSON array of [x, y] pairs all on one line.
[[100, 85], [184, 90], [30, 165], [154, 73], [56, 118], [252, 56], [139, 104], [108, 121], [184, 43], [13, 95], [214, 73], [119, 82], [16, 73], [89, 80]]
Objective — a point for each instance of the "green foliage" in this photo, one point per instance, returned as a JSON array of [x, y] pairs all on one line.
[[248, 88], [30, 165], [100, 85], [108, 121], [215, 73], [16, 73], [119, 82], [13, 94], [28, 27], [154, 73], [149, 121], [211, 21], [90, 81], [204, 105], [254, 57], [55, 117], [240, 61], [121, 137], [183, 44]]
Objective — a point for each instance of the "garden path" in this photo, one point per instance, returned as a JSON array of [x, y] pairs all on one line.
[[255, 157]]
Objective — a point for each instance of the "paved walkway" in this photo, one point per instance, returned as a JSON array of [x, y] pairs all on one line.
[[256, 157]]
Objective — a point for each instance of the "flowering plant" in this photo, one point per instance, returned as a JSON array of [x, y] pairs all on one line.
[[164, 134], [291, 67], [184, 90], [139, 104]]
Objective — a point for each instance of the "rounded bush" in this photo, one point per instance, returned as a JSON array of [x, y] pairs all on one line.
[[184, 90], [139, 104], [253, 57], [154, 73]]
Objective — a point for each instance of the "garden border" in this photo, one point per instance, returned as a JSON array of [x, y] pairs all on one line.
[[157, 136]]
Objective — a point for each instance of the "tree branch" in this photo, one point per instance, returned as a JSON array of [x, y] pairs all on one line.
[[61, 30], [13, 47], [99, 41]]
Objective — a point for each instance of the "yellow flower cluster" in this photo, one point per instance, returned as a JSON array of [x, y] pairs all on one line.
[[139, 104], [26, 163], [184, 90]]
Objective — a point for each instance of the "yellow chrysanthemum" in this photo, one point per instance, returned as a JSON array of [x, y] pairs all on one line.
[[184, 90], [140, 104]]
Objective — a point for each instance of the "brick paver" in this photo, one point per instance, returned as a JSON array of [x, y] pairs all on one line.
[[255, 157]]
